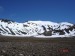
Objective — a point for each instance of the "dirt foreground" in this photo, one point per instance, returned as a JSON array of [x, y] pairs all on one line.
[[30, 46]]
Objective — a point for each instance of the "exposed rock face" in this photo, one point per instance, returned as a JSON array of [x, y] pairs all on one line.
[[36, 28]]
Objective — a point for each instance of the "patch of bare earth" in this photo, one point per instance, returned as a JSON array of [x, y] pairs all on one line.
[[37, 46]]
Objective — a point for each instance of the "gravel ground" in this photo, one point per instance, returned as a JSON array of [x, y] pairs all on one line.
[[36, 49], [37, 46]]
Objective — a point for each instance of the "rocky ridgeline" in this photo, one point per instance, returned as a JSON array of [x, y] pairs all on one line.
[[36, 28]]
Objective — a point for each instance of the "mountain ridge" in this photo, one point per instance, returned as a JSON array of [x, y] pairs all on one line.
[[36, 28]]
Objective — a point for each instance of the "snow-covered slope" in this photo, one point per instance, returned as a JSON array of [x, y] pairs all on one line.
[[36, 28]]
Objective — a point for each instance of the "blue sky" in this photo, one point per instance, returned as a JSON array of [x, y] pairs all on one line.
[[49, 10]]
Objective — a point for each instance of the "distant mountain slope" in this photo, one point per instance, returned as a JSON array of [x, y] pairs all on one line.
[[36, 28]]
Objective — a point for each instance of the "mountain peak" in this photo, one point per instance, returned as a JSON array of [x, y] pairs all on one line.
[[37, 28]]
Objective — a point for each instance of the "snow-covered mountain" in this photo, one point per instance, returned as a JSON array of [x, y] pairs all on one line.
[[36, 28]]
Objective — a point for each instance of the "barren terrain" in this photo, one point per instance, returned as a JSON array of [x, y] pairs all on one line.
[[30, 46]]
